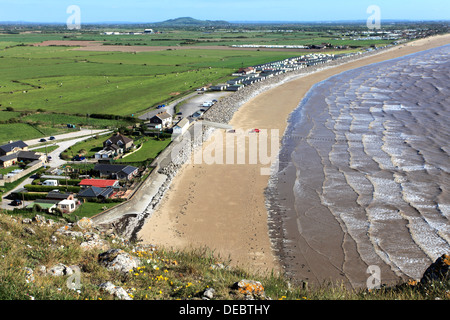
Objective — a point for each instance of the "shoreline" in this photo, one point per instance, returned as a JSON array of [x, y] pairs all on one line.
[[223, 207]]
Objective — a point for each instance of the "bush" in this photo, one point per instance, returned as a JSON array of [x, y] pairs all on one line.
[[27, 196], [38, 188]]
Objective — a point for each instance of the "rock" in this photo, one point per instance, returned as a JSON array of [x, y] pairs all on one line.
[[30, 230], [50, 223], [250, 289], [118, 292], [39, 219], [85, 223], [66, 230], [29, 274], [219, 266], [437, 271], [42, 269], [26, 221], [94, 244], [117, 259], [89, 236], [60, 270], [209, 293]]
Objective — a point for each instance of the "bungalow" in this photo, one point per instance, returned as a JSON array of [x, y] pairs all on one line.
[[8, 160], [163, 118], [13, 147], [181, 126], [235, 88], [67, 206], [101, 183], [116, 171], [154, 126], [30, 156], [247, 70], [219, 87], [59, 196], [118, 143], [96, 193], [21, 156]]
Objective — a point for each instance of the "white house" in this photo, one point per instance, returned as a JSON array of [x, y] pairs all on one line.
[[181, 126], [164, 118], [67, 206]]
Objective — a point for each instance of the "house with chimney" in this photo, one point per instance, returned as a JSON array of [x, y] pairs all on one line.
[[115, 145], [163, 118]]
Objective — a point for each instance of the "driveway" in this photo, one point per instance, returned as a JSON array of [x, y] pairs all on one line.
[[56, 160], [63, 145], [194, 103]]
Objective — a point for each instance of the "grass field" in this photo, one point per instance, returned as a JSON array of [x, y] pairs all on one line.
[[87, 147], [149, 150], [66, 81], [65, 85], [24, 131]]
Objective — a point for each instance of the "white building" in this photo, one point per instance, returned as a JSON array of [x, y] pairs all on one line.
[[181, 126], [67, 206], [103, 154]]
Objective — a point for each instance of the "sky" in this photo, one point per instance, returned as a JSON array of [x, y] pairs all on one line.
[[229, 10]]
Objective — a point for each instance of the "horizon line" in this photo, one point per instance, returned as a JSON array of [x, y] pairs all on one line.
[[232, 22]]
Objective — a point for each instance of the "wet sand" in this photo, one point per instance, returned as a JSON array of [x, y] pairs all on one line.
[[223, 206]]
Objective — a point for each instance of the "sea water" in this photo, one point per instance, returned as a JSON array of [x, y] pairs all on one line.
[[370, 148]]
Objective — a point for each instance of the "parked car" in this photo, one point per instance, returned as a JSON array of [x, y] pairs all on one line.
[[52, 138], [16, 202], [197, 114], [78, 158], [42, 140]]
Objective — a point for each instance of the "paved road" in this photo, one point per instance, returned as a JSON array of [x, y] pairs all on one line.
[[70, 135], [73, 137], [5, 204], [63, 145], [194, 103]]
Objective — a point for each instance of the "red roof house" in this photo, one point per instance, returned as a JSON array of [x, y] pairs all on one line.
[[101, 183]]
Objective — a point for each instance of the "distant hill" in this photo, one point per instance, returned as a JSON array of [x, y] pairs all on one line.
[[191, 22]]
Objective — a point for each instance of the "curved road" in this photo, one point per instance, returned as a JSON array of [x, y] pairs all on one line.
[[63, 141]]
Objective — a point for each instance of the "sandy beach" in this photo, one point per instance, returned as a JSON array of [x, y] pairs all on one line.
[[223, 206]]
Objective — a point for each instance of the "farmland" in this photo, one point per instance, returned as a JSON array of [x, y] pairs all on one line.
[[45, 86], [63, 80]]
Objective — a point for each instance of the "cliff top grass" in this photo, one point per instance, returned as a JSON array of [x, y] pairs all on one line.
[[28, 248]]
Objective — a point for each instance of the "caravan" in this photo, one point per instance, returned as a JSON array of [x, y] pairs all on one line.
[[53, 183]]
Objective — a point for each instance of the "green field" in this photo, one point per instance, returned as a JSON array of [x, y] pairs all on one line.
[[87, 147], [149, 150], [24, 131], [60, 79], [47, 87]]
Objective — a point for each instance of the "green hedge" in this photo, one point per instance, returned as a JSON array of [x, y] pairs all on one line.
[[30, 196], [72, 182], [39, 188]]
